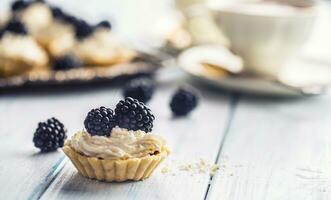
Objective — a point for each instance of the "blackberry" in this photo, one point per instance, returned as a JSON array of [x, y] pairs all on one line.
[[57, 13], [82, 29], [67, 18], [100, 121], [66, 62], [184, 101], [39, 1], [140, 89], [19, 5], [16, 26], [104, 24], [134, 115], [49, 135]]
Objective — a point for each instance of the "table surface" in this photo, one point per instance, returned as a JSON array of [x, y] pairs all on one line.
[[267, 148]]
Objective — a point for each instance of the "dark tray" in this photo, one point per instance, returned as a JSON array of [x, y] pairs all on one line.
[[143, 65]]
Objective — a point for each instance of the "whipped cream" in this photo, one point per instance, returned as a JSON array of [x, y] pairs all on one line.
[[122, 144]]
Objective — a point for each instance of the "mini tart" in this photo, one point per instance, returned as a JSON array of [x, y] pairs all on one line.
[[37, 17], [20, 53], [53, 34], [58, 38], [115, 170], [102, 48]]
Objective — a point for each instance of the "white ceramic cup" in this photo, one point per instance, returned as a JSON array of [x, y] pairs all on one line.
[[266, 41]]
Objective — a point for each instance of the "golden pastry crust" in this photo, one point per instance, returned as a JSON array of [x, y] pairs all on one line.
[[37, 17], [19, 54], [58, 39], [115, 170], [102, 48]]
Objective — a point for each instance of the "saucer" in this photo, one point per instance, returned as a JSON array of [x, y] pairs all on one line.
[[300, 77]]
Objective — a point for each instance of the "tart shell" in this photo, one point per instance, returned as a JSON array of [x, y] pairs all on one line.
[[115, 170]]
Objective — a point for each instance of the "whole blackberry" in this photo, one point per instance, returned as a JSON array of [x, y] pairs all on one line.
[[184, 101], [66, 62], [16, 26], [82, 29], [100, 121], [19, 5], [104, 24], [134, 115], [49, 135], [140, 89]]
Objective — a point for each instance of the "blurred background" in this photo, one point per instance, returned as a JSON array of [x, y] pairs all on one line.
[[282, 43]]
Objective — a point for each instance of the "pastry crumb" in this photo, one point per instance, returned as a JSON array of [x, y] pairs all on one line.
[[199, 167], [165, 170], [214, 169]]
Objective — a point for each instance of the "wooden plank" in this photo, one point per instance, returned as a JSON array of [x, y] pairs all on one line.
[[191, 138], [24, 172], [276, 149]]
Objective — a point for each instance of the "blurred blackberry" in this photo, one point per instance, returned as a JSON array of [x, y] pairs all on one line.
[[39, 1], [134, 115], [16, 26], [1, 33], [82, 29], [184, 101], [57, 13], [49, 135], [66, 62], [67, 18], [100, 121], [19, 5], [140, 89], [104, 24]]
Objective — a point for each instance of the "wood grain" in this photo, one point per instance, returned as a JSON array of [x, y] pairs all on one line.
[[276, 149], [24, 172], [190, 138]]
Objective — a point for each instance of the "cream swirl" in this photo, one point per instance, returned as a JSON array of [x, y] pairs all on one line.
[[122, 144]]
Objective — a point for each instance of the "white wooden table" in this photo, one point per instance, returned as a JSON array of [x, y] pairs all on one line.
[[267, 148]]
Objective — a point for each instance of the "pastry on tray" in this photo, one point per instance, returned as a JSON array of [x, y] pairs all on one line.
[[19, 52], [36, 15], [94, 45], [117, 146], [99, 46], [53, 36]]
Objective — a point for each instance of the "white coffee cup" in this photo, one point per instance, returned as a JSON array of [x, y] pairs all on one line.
[[266, 35]]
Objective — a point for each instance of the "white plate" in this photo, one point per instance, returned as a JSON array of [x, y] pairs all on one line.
[[303, 77]]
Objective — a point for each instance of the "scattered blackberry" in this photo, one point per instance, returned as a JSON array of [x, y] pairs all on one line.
[[184, 101], [134, 115], [15, 26], [140, 89], [100, 121], [82, 29], [19, 5], [49, 135], [66, 62], [104, 24]]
